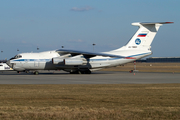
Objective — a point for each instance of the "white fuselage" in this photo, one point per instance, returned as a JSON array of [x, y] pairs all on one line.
[[43, 60]]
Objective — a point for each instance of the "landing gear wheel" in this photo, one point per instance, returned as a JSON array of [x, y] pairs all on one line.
[[84, 72], [74, 72], [36, 72], [80, 72], [88, 72]]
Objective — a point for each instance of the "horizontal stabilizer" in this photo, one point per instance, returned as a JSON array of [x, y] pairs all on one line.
[[150, 23]]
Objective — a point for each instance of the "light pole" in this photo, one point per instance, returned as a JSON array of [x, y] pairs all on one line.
[[93, 46], [1, 54], [17, 51]]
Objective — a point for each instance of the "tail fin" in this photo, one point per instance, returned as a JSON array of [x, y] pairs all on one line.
[[145, 35]]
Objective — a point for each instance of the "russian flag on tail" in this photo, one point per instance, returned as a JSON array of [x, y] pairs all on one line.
[[142, 35]]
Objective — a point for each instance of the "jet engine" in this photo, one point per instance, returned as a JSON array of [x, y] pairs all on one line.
[[68, 61], [57, 60], [73, 62]]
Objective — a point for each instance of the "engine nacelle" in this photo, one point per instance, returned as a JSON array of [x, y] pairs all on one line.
[[57, 60], [73, 62], [68, 61]]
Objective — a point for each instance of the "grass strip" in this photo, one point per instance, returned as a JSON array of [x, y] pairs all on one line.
[[92, 102]]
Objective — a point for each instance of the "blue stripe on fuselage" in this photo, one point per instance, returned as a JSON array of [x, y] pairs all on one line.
[[48, 60], [31, 60]]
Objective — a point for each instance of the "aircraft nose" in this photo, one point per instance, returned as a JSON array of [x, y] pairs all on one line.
[[9, 64]]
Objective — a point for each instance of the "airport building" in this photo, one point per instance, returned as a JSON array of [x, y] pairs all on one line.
[[161, 59], [3, 61]]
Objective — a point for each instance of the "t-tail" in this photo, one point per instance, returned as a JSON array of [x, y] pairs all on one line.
[[139, 45], [145, 35]]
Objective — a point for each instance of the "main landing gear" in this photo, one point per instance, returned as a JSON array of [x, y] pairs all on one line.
[[36, 72], [81, 72]]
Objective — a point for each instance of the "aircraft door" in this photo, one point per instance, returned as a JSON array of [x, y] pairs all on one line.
[[36, 63]]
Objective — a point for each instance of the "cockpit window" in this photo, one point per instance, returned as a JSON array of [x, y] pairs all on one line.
[[16, 57]]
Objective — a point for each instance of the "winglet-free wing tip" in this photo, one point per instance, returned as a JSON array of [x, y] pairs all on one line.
[[169, 22]]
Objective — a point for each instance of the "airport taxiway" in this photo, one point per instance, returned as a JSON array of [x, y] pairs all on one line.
[[99, 77]]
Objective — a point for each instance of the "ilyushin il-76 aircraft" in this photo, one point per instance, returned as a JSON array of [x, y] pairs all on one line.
[[81, 62]]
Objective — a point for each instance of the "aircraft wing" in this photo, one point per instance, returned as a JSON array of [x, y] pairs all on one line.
[[86, 54]]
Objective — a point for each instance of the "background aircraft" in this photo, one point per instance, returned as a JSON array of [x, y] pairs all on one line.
[[81, 62], [4, 67]]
